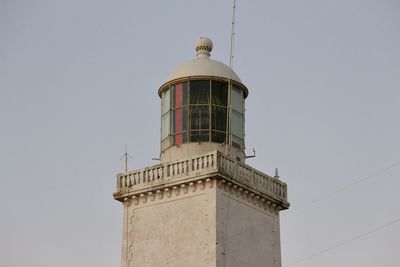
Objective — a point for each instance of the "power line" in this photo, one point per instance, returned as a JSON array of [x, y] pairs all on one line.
[[376, 229], [332, 193], [344, 188], [326, 196]]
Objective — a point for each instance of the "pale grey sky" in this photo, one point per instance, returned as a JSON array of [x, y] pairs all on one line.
[[79, 80]]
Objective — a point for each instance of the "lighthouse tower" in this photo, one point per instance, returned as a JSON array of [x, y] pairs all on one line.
[[202, 205]]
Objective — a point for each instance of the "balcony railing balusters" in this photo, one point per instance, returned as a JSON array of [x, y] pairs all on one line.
[[214, 161]]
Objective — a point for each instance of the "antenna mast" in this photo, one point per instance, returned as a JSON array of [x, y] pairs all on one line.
[[228, 138], [125, 157], [231, 54]]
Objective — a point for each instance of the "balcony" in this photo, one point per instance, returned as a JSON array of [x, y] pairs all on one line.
[[214, 164]]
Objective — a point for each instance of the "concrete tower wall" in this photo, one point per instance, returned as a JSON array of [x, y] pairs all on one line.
[[247, 234], [205, 223], [171, 229]]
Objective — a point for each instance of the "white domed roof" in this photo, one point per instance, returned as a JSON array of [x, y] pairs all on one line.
[[203, 65]]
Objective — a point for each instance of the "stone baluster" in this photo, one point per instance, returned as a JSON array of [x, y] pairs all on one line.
[[159, 172], [216, 160], [187, 170], [266, 184], [150, 175], [155, 174], [168, 170], [163, 172], [274, 187], [122, 181], [279, 192], [271, 186], [128, 178], [143, 177], [255, 180], [181, 169]]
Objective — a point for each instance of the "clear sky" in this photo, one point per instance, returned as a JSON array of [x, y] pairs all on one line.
[[79, 80]]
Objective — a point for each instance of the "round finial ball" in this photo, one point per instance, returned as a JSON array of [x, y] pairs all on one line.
[[204, 45]]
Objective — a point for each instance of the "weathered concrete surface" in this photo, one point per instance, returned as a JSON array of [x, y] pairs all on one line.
[[174, 228], [247, 234], [210, 222]]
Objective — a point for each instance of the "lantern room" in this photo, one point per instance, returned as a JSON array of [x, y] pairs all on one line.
[[202, 108]]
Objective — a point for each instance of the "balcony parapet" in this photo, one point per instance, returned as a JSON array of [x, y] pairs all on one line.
[[198, 167]]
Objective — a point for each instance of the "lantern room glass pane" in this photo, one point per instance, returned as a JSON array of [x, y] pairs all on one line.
[[219, 93], [205, 118], [180, 138], [199, 136], [180, 95], [237, 141], [194, 119], [218, 118], [180, 120], [218, 137], [165, 125], [165, 102], [199, 117], [199, 92], [237, 124], [237, 99]]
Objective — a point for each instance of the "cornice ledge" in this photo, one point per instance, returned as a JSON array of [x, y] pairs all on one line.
[[229, 181], [177, 186], [252, 196]]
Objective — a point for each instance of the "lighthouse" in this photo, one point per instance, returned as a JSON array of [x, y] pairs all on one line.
[[202, 205]]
